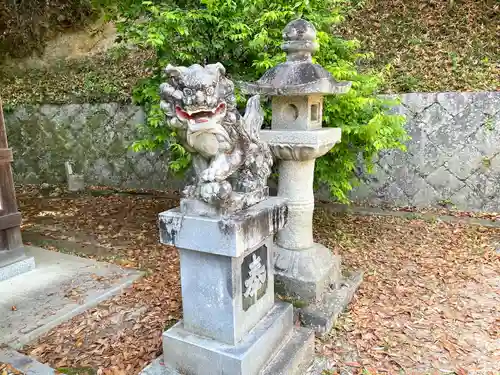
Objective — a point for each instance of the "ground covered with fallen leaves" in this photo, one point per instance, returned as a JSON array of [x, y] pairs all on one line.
[[430, 45], [429, 302], [430, 299]]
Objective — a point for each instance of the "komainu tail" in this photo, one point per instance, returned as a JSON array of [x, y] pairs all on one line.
[[254, 117]]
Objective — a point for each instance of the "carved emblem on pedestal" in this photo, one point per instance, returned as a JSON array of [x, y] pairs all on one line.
[[254, 276]]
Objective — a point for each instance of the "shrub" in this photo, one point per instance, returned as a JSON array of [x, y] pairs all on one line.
[[245, 35]]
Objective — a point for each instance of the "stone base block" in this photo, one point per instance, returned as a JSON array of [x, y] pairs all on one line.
[[19, 267], [321, 315], [305, 274], [294, 357], [240, 201], [187, 353]]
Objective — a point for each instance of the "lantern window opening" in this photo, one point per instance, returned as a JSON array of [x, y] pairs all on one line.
[[315, 112], [291, 112]]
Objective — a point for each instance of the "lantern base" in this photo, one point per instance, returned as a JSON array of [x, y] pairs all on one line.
[[305, 274], [322, 315], [312, 279]]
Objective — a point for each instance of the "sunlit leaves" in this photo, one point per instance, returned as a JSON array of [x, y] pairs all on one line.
[[246, 37]]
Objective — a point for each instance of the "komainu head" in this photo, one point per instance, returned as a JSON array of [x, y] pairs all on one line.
[[197, 94]]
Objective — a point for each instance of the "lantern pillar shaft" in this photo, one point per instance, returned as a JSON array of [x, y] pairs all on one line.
[[295, 183]]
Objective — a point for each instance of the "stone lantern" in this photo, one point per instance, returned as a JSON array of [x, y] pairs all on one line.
[[304, 270]]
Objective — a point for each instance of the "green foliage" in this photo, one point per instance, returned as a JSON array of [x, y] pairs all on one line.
[[77, 371], [245, 35]]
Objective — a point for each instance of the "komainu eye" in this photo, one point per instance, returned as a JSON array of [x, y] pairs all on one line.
[[210, 91], [188, 92]]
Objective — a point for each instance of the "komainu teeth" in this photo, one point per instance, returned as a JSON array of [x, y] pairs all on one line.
[[206, 110]]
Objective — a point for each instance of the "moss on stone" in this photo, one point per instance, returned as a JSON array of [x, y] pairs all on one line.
[[77, 371]]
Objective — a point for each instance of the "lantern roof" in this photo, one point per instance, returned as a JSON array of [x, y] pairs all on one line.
[[298, 75]]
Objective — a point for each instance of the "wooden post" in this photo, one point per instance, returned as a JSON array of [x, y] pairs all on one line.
[[11, 245]]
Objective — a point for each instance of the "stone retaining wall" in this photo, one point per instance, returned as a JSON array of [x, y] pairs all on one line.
[[95, 137], [453, 157]]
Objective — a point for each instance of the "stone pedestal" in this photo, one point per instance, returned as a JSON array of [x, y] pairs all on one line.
[[306, 272], [231, 322]]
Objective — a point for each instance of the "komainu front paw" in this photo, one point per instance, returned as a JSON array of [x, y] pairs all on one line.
[[189, 191], [212, 192], [208, 175]]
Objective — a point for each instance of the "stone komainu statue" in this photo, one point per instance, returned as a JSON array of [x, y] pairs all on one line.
[[231, 164]]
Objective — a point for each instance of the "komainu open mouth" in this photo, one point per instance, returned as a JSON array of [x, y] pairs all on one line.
[[199, 115]]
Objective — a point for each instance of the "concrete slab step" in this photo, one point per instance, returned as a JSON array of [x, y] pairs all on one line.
[[41, 296], [295, 356], [23, 363]]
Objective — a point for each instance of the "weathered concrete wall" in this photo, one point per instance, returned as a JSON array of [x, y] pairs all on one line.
[[454, 156], [96, 137]]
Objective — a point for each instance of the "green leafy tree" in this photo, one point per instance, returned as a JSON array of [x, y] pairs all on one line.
[[245, 35]]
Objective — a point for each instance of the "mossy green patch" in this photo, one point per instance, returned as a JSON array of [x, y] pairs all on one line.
[[77, 371], [102, 78]]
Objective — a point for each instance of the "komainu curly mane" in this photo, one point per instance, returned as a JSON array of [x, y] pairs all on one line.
[[231, 163]]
